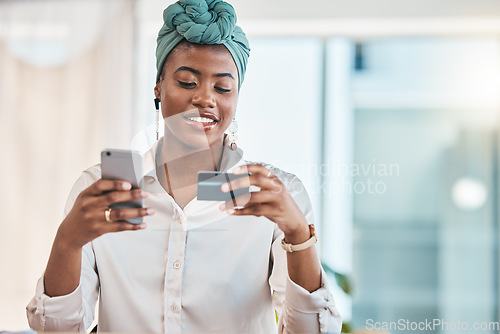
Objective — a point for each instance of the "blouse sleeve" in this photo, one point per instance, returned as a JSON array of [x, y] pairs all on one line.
[[73, 312], [298, 310]]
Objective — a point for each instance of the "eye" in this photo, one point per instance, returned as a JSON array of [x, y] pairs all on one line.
[[222, 90], [187, 85]]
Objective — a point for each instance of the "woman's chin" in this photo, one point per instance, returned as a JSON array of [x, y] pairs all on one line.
[[195, 140]]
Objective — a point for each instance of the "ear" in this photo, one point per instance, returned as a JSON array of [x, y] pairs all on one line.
[[157, 89]]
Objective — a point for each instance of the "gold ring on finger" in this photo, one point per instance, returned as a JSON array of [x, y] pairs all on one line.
[[107, 215]]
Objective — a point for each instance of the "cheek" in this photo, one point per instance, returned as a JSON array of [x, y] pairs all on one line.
[[173, 101], [228, 107], [228, 113]]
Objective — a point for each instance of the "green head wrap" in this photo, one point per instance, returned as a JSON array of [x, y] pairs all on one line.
[[202, 22]]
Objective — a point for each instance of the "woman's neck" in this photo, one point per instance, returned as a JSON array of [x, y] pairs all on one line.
[[191, 159], [180, 165]]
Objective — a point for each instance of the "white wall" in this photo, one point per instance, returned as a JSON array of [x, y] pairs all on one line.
[[291, 9]]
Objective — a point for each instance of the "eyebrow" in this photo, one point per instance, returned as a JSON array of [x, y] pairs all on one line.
[[192, 70], [220, 75]]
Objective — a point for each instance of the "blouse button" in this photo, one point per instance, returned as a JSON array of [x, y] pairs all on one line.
[[177, 264], [174, 308], [181, 219]]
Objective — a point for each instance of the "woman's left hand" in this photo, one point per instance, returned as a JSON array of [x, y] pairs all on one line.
[[273, 201]]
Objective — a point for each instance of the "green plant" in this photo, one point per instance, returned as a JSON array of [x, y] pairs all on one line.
[[344, 283]]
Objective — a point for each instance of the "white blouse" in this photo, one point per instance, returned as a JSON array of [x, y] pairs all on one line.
[[196, 270]]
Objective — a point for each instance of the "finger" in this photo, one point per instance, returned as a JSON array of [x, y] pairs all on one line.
[[101, 186], [238, 201], [255, 210], [257, 179], [109, 198], [122, 214], [256, 197], [253, 169], [120, 226]]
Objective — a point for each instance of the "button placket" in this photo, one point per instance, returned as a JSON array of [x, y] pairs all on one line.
[[173, 277]]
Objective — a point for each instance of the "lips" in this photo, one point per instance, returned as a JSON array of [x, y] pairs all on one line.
[[201, 120]]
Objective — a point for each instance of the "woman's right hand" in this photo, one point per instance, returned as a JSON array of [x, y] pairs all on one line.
[[86, 221]]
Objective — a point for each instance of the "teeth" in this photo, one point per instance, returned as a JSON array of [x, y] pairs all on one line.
[[201, 119]]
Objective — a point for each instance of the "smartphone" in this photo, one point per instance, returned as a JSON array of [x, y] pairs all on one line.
[[123, 165], [209, 186]]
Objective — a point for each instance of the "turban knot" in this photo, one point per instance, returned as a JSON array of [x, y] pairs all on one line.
[[202, 22]]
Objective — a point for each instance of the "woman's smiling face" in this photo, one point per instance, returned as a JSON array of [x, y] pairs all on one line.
[[198, 91]]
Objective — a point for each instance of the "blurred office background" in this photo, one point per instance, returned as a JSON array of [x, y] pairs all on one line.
[[388, 110]]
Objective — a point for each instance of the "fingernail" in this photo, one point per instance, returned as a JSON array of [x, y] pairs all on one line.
[[144, 194], [230, 211], [222, 206], [150, 211], [142, 226], [126, 185], [236, 170], [225, 187]]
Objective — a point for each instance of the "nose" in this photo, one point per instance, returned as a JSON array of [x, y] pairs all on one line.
[[204, 98]]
